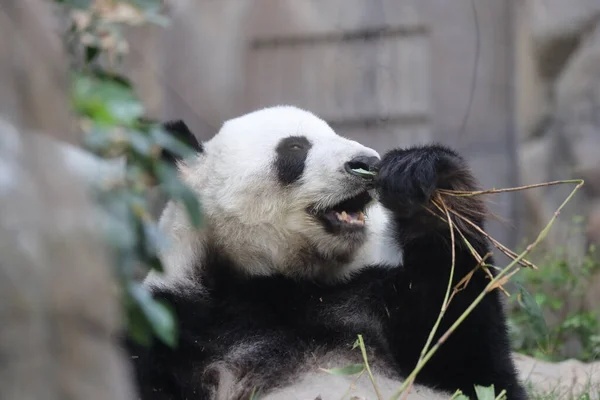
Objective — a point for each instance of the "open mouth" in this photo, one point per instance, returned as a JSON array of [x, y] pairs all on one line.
[[346, 215]]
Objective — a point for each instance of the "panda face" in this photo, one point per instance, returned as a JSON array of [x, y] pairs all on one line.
[[279, 192], [339, 195], [315, 168]]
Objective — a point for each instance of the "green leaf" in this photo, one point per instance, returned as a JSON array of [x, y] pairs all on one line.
[[145, 5], [458, 395], [121, 233], [154, 263], [347, 370], [192, 205], [81, 4], [485, 393], [140, 142], [105, 101], [168, 142], [254, 394], [98, 139], [175, 189], [153, 237], [137, 325], [158, 314], [531, 307], [104, 75]]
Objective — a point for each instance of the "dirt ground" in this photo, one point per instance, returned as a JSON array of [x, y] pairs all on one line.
[[563, 380]]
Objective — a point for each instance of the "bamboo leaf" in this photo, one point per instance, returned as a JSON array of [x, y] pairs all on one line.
[[533, 310], [175, 189], [157, 314], [485, 393]]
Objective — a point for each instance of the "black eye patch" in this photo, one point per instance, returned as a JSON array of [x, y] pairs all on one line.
[[291, 157]]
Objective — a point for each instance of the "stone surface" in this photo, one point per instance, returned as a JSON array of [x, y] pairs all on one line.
[[565, 380], [558, 117], [557, 27], [59, 312], [563, 141]]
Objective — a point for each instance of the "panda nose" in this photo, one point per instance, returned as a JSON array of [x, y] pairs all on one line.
[[367, 163]]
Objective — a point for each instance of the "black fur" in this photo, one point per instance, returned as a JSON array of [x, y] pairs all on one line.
[[288, 319], [180, 131], [291, 156]]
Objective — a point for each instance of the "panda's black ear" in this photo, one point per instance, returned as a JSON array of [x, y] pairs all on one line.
[[180, 131]]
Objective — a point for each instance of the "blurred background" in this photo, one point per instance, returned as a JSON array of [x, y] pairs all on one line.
[[512, 84]]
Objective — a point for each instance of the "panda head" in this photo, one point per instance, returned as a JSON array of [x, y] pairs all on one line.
[[279, 195]]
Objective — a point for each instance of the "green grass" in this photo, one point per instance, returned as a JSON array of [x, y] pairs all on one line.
[[554, 287]]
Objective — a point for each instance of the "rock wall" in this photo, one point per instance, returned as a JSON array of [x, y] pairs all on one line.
[[59, 312], [558, 119]]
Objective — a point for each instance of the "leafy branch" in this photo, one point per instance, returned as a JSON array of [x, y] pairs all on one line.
[[111, 118]]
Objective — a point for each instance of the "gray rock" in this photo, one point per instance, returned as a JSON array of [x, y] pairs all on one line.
[[568, 379]]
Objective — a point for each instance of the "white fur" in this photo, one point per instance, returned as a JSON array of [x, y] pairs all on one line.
[[314, 383], [251, 217], [317, 382]]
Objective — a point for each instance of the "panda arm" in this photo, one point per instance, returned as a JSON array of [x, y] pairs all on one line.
[[478, 352]]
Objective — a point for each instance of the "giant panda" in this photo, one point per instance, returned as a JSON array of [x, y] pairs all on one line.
[[300, 252]]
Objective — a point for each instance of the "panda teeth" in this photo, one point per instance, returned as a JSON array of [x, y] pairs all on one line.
[[343, 216], [359, 219]]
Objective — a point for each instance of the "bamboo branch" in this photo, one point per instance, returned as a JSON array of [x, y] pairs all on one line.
[[460, 193], [363, 350], [493, 283]]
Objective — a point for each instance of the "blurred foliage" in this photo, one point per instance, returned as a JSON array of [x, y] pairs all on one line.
[[557, 286], [112, 119]]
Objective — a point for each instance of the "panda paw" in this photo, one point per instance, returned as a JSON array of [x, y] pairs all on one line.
[[408, 178]]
